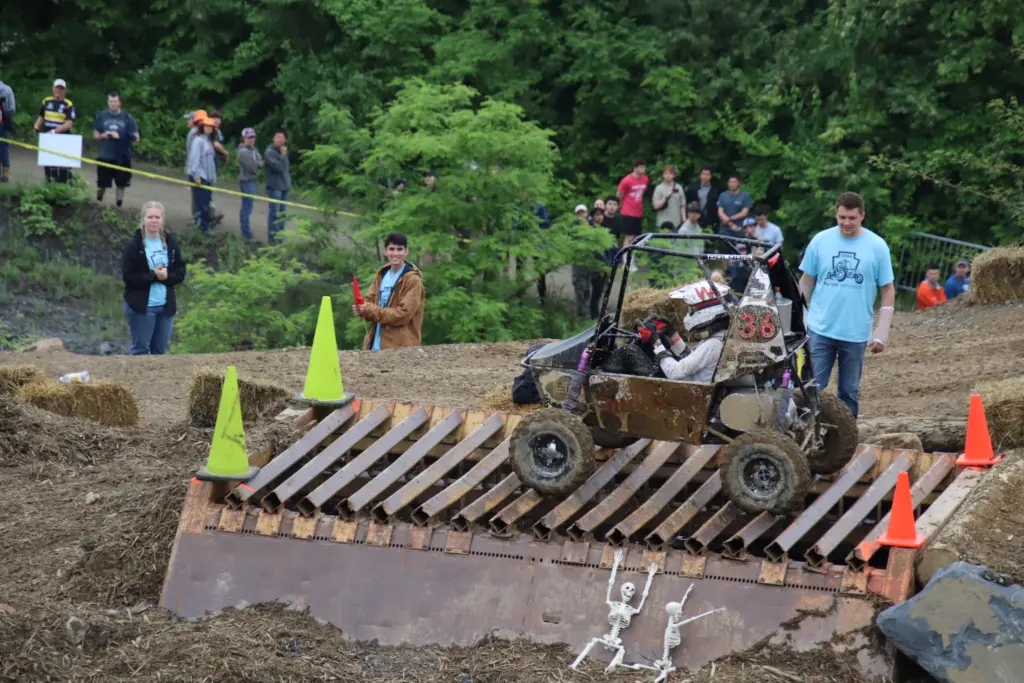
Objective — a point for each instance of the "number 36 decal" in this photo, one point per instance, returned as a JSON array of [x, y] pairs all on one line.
[[751, 327]]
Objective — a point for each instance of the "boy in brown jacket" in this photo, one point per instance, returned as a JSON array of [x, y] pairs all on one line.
[[395, 300]]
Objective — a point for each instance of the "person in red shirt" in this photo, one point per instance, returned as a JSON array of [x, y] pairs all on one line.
[[930, 292], [631, 195]]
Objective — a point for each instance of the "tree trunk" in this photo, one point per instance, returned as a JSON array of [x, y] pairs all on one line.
[[937, 436]]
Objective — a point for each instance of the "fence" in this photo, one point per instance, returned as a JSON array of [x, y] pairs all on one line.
[[918, 249]]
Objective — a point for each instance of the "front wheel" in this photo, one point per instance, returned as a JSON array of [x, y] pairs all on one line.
[[765, 471], [552, 451], [841, 435]]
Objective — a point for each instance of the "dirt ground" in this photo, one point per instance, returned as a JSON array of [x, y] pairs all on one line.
[[90, 513]]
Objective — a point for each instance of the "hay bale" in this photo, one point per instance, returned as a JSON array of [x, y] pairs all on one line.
[[997, 276], [1004, 411], [500, 398], [640, 303], [258, 400], [14, 377], [104, 402]]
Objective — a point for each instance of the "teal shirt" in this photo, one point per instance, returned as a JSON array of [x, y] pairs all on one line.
[[849, 271], [156, 254], [387, 285]]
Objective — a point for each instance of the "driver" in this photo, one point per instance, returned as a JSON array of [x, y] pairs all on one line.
[[707, 313]]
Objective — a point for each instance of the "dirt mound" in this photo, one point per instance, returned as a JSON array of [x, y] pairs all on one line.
[[30, 435], [640, 303], [259, 400], [270, 644], [997, 276], [500, 398], [104, 402], [1004, 411]]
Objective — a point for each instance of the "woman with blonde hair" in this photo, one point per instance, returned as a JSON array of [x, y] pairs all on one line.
[[152, 266]]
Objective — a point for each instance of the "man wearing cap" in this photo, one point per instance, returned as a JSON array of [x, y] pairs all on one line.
[[959, 282], [7, 108], [249, 164], [57, 115], [116, 131]]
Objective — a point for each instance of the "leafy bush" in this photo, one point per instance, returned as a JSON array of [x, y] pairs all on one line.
[[243, 310]]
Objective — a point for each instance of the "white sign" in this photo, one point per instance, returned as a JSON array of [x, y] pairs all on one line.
[[63, 143]]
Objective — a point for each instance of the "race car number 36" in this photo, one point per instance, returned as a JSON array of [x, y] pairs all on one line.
[[757, 324]]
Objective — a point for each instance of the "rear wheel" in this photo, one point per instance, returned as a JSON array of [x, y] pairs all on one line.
[[765, 472], [841, 436], [552, 451]]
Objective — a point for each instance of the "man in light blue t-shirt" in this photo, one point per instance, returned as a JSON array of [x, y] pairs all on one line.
[[845, 267]]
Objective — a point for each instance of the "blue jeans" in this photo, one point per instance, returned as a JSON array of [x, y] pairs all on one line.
[[246, 213], [151, 331], [824, 351], [5, 149], [276, 216], [201, 198]]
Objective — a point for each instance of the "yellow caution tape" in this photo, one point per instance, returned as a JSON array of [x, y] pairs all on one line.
[[157, 176]]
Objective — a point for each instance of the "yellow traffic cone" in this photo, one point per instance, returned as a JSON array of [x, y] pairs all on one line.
[[323, 377], [228, 460]]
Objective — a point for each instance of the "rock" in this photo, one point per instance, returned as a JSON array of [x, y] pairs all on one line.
[[907, 440], [7, 609], [91, 498], [964, 627], [51, 344], [464, 678], [297, 605], [106, 349], [75, 630]]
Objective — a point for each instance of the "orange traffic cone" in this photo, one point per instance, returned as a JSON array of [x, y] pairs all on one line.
[[901, 532], [978, 448]]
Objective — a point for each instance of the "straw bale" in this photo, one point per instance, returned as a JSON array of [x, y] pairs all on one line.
[[105, 402], [258, 400], [500, 398], [640, 303], [14, 377], [1004, 411], [997, 276]]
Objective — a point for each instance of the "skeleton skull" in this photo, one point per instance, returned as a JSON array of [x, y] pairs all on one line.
[[674, 609], [628, 591]]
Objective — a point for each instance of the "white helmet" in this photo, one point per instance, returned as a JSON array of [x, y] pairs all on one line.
[[705, 305]]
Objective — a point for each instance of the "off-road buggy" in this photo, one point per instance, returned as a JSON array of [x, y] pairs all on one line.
[[775, 436]]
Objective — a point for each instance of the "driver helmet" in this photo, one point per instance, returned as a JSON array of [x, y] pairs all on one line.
[[705, 306]]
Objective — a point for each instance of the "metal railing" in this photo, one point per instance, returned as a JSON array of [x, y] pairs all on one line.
[[918, 249]]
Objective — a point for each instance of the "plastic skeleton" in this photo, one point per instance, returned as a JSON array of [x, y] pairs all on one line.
[[620, 614], [672, 638]]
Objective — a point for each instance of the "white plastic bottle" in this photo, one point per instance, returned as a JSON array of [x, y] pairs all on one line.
[[75, 377]]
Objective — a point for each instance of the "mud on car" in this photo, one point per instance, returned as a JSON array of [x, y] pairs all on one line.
[[775, 426]]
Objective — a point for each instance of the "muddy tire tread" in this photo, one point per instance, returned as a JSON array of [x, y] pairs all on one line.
[[732, 484], [552, 419], [840, 443]]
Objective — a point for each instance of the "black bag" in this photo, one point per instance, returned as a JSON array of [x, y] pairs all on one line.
[[524, 389]]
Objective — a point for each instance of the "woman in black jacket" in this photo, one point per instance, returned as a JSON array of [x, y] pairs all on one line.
[[152, 266]]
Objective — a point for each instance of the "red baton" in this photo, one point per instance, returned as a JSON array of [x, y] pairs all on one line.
[[355, 291]]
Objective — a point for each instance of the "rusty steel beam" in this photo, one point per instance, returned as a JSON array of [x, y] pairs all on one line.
[[502, 523], [818, 553], [422, 515], [863, 460], [273, 501], [362, 462], [590, 488], [860, 556], [293, 454], [625, 529], [659, 538], [623, 492], [486, 503], [735, 547], [383, 512], [702, 537], [396, 470]]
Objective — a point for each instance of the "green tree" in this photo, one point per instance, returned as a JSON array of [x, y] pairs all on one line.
[[494, 170]]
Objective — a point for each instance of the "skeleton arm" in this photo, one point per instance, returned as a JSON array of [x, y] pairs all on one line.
[[611, 579], [647, 589]]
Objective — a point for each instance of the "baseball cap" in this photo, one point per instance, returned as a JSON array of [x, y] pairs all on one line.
[[60, 82], [962, 262], [749, 221], [249, 133], [580, 207]]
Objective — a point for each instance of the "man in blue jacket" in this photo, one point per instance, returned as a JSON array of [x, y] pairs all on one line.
[[959, 282]]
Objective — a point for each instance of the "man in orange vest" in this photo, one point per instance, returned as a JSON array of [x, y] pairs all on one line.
[[930, 292]]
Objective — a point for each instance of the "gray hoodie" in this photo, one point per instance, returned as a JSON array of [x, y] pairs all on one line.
[[276, 169], [200, 160], [249, 164], [7, 99]]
